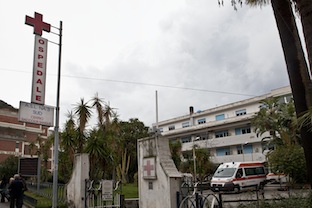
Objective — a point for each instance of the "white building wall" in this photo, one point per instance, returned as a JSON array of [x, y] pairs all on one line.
[[230, 122]]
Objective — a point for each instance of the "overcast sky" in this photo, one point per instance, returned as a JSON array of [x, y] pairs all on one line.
[[192, 52]]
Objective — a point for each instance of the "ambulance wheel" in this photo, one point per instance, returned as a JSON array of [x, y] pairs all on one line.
[[261, 186], [237, 189]]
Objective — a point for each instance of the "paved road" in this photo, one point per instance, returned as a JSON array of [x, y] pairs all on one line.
[[6, 204], [270, 192]]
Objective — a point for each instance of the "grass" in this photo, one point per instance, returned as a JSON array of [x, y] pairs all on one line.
[[130, 190], [42, 202]]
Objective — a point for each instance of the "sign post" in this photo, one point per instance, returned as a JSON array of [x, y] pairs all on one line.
[[38, 88]]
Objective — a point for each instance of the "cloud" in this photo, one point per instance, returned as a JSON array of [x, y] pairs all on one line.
[[193, 53]]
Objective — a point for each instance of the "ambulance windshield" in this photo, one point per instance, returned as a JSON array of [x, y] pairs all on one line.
[[224, 172]]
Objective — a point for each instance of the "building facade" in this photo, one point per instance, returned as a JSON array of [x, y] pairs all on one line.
[[20, 139], [225, 131]]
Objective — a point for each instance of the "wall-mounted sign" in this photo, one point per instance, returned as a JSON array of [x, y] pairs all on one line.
[[149, 168], [36, 114]]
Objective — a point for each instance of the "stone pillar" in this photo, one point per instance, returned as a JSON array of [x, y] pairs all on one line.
[[76, 186], [158, 178]]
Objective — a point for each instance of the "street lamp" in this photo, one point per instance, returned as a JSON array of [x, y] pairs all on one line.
[[194, 157]]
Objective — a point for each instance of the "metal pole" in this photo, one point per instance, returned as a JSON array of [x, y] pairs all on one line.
[[194, 158], [57, 119], [156, 94], [38, 173]]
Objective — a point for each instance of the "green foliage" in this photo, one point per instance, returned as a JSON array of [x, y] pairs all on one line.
[[289, 160], [105, 143], [175, 150], [128, 133], [204, 166], [280, 120], [130, 190], [9, 167], [42, 202]]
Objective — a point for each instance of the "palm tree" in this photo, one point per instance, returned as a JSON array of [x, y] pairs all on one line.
[[278, 119], [68, 136], [98, 104], [84, 113], [305, 9], [97, 151]]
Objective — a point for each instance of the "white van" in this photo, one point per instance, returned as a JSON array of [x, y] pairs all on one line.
[[238, 176]]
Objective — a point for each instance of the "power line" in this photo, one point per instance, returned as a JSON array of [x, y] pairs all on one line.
[[141, 83]]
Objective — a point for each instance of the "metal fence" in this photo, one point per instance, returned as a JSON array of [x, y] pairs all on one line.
[[46, 190], [96, 196]]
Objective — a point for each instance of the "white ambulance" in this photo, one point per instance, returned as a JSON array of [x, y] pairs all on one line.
[[239, 176]]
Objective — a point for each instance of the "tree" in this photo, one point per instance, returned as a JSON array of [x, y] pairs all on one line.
[[297, 68], [280, 120], [9, 167], [289, 160], [204, 166], [84, 113], [128, 134], [176, 154], [96, 149], [305, 9], [68, 137]]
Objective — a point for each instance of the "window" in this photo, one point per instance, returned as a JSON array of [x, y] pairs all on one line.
[[223, 151], [244, 130], [239, 150], [254, 171], [171, 127], [247, 149], [203, 136], [240, 112], [186, 139], [219, 134], [220, 117], [161, 130], [185, 124], [150, 185], [201, 121]]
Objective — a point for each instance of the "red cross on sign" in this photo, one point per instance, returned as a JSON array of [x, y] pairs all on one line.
[[149, 168], [38, 24]]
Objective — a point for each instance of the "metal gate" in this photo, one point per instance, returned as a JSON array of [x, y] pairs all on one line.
[[190, 197], [96, 196]]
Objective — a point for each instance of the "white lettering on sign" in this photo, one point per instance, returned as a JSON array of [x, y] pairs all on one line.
[[39, 70], [35, 113]]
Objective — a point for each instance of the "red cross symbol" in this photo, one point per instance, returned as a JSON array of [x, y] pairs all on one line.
[[148, 167], [38, 24]]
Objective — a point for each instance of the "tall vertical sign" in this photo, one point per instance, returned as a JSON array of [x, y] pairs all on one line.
[[38, 89], [40, 58], [39, 70]]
